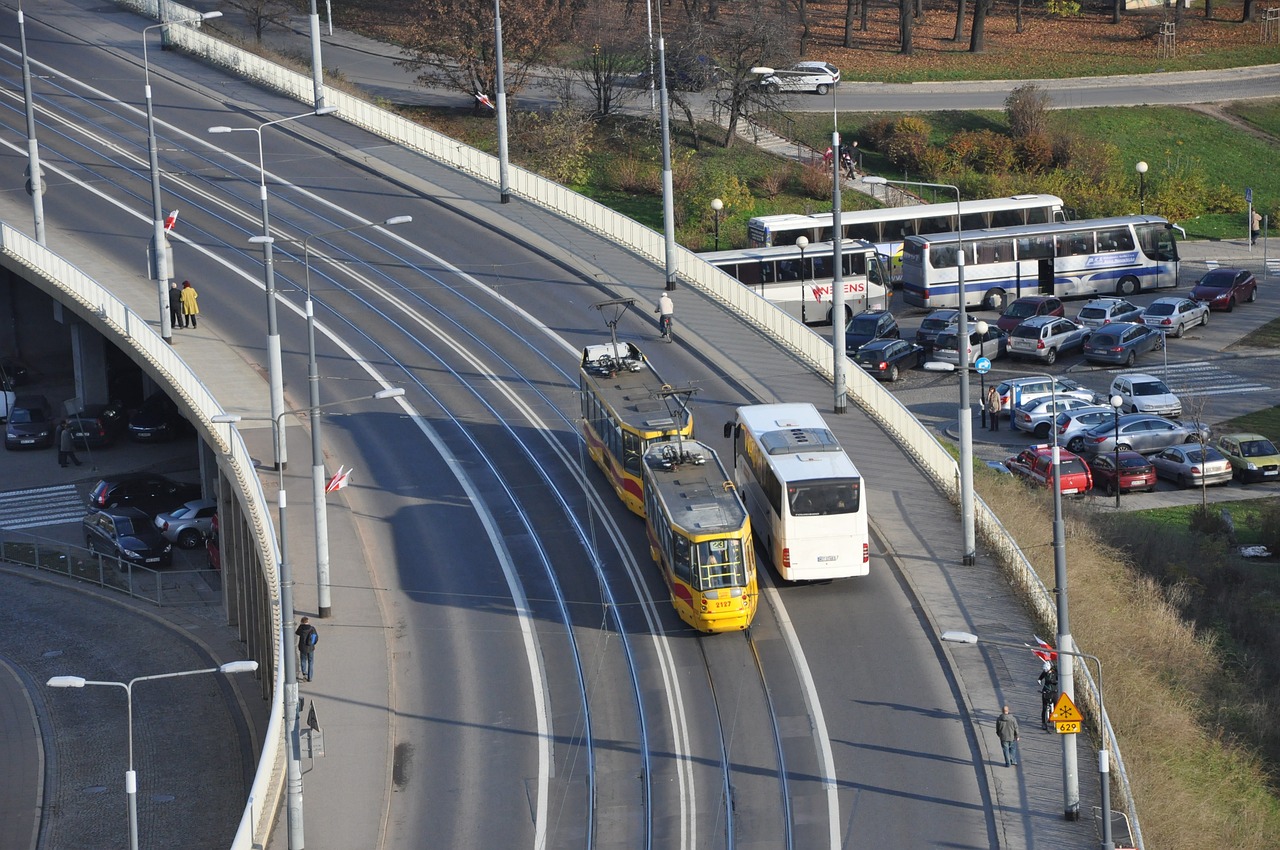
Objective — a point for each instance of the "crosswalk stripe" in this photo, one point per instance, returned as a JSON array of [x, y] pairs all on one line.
[[40, 506]]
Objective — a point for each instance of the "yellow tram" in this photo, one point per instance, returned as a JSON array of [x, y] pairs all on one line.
[[700, 536]]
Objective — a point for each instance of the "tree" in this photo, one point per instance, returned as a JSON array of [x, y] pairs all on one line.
[[960, 20], [1248, 14], [605, 72], [749, 41], [263, 13], [906, 8], [977, 41]]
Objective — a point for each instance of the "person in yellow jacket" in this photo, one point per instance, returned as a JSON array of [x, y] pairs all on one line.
[[189, 307]]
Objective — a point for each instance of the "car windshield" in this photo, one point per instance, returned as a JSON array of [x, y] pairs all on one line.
[[947, 340], [1217, 280], [1151, 388], [1257, 448], [1160, 309], [1020, 310], [934, 324], [1104, 339], [25, 416], [180, 512], [869, 357], [1133, 463], [864, 325], [124, 525]]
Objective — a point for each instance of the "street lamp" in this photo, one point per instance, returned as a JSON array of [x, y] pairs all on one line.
[[802, 242], [965, 413], [1141, 168], [716, 206], [1104, 751], [131, 777], [1116, 402], [269, 275], [319, 503], [35, 177], [161, 269], [982, 327]]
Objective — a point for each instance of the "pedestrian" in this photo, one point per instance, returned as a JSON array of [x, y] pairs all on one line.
[[189, 307], [993, 409], [175, 306], [307, 639], [66, 445], [666, 315], [1007, 732], [1255, 226], [1048, 680]]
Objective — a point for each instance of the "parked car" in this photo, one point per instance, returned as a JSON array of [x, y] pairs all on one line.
[[30, 424], [1037, 415], [189, 525], [1253, 457], [1142, 432], [1222, 289], [887, 358], [1174, 315], [934, 324], [867, 326], [97, 426], [1136, 473], [1121, 343], [147, 491], [817, 77], [1045, 337], [1145, 394], [1035, 465], [990, 345], [1026, 307], [1072, 424], [158, 420], [127, 534], [1016, 391], [1104, 311], [1192, 465]]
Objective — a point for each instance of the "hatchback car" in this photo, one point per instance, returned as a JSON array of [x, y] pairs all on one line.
[[1192, 466], [30, 424], [96, 426], [1104, 311], [1222, 289], [1174, 315], [1141, 432], [1253, 457], [1145, 394], [127, 534], [189, 525], [990, 345], [934, 324], [1136, 473], [817, 77], [1035, 465], [1037, 415], [1072, 424], [158, 420], [887, 358], [869, 325], [1044, 337], [1017, 391], [1026, 307], [1120, 343], [144, 490]]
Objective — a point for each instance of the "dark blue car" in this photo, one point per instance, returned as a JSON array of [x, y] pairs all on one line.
[[1121, 343]]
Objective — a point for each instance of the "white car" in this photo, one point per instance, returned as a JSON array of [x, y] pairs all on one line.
[[817, 77], [1174, 315], [1145, 394]]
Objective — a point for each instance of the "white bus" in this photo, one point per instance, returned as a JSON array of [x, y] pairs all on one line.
[[1120, 256], [807, 501], [800, 281], [886, 228]]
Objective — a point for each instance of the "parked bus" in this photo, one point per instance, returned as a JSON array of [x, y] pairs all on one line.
[[624, 411], [806, 498], [1106, 256], [800, 281], [700, 536]]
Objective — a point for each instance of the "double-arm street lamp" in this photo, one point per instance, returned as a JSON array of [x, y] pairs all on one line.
[[35, 178], [1104, 753], [161, 269], [269, 276], [131, 777]]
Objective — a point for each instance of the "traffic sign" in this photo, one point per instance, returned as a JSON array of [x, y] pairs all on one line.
[[982, 365], [1065, 711], [1248, 196], [1067, 727]]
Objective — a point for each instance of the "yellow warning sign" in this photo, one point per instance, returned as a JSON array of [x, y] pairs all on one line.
[[1067, 727], [1065, 711]]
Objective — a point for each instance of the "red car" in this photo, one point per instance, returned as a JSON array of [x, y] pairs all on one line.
[[1222, 289], [1035, 464], [1136, 472], [1026, 307]]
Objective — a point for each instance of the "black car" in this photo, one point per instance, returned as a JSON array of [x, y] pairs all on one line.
[[886, 358], [30, 424], [146, 491], [158, 420], [869, 325], [96, 426], [127, 534]]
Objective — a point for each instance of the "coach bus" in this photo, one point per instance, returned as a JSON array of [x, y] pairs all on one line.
[[1120, 256], [800, 280], [700, 536], [806, 499], [624, 410]]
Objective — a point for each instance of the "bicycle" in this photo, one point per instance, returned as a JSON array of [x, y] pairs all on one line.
[[665, 324]]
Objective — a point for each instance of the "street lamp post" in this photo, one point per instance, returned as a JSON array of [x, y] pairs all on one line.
[[1116, 402], [319, 503], [35, 177], [966, 413], [161, 268], [269, 274], [802, 242], [716, 206], [982, 327], [1104, 751], [1141, 168], [130, 776]]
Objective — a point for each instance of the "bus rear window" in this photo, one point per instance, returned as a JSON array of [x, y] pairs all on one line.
[[824, 498]]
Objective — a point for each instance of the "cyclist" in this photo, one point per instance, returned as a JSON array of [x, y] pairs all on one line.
[[666, 313], [1048, 680]]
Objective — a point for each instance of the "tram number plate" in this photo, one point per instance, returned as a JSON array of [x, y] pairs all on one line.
[[1067, 727]]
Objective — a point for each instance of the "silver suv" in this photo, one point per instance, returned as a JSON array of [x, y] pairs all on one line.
[[1043, 337], [1016, 391], [1103, 311]]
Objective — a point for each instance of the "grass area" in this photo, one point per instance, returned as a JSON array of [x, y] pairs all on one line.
[[1263, 114], [1248, 516], [1265, 422], [1267, 336]]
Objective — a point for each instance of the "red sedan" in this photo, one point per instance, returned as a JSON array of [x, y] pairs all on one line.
[[1136, 472]]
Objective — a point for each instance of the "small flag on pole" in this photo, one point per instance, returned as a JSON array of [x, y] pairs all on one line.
[[484, 98], [341, 479], [171, 220], [1045, 652]]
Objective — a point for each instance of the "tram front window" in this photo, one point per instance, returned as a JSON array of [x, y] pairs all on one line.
[[720, 564]]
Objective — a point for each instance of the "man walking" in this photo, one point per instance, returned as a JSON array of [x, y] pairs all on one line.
[[66, 445], [1007, 732], [175, 306], [1255, 226], [307, 639]]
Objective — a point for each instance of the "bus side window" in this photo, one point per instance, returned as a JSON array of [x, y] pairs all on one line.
[[788, 270], [822, 267], [767, 272]]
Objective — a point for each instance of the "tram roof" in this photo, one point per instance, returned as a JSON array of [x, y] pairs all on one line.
[[694, 486], [630, 385]]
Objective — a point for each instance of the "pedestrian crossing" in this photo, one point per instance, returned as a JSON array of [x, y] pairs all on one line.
[[40, 506], [1200, 378]]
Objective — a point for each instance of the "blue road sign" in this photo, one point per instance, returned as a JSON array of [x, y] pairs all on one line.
[[982, 365]]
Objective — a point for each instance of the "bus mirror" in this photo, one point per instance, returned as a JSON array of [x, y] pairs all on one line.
[[728, 430]]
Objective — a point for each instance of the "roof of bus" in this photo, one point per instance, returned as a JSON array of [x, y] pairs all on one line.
[[915, 210], [797, 441], [1032, 229], [814, 249], [632, 390], [689, 479]]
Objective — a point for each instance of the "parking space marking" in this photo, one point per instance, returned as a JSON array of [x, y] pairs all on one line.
[[39, 506]]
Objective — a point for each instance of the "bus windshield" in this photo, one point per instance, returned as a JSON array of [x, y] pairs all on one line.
[[824, 498]]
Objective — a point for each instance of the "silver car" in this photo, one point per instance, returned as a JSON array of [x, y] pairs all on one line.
[[990, 345], [1104, 311], [1044, 337], [189, 525], [1143, 433], [1037, 415], [1145, 394], [1189, 466], [1174, 315], [1072, 424]]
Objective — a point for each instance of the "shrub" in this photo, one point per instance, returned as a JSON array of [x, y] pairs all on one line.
[[876, 134], [1208, 521], [1034, 152], [554, 144], [634, 176], [814, 181], [1027, 109], [771, 184], [906, 146]]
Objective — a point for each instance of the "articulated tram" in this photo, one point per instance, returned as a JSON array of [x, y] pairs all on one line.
[[700, 536]]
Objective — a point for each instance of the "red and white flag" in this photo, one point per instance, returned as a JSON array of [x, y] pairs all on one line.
[[1045, 652], [484, 98], [341, 479], [171, 220]]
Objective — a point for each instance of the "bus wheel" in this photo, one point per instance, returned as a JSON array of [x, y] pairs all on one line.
[[994, 299], [1127, 286]]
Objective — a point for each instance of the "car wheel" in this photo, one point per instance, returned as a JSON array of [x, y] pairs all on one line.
[[1180, 331], [1124, 447], [1231, 305], [1051, 357], [1191, 438], [190, 538], [893, 373], [1160, 343], [1204, 322], [822, 88], [1075, 444], [1131, 359], [1183, 483], [1253, 295], [1042, 430]]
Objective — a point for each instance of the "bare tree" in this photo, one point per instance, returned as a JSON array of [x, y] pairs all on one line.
[[849, 6], [977, 40], [906, 11], [1027, 109], [609, 73], [959, 20], [261, 14], [750, 41], [1247, 15]]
